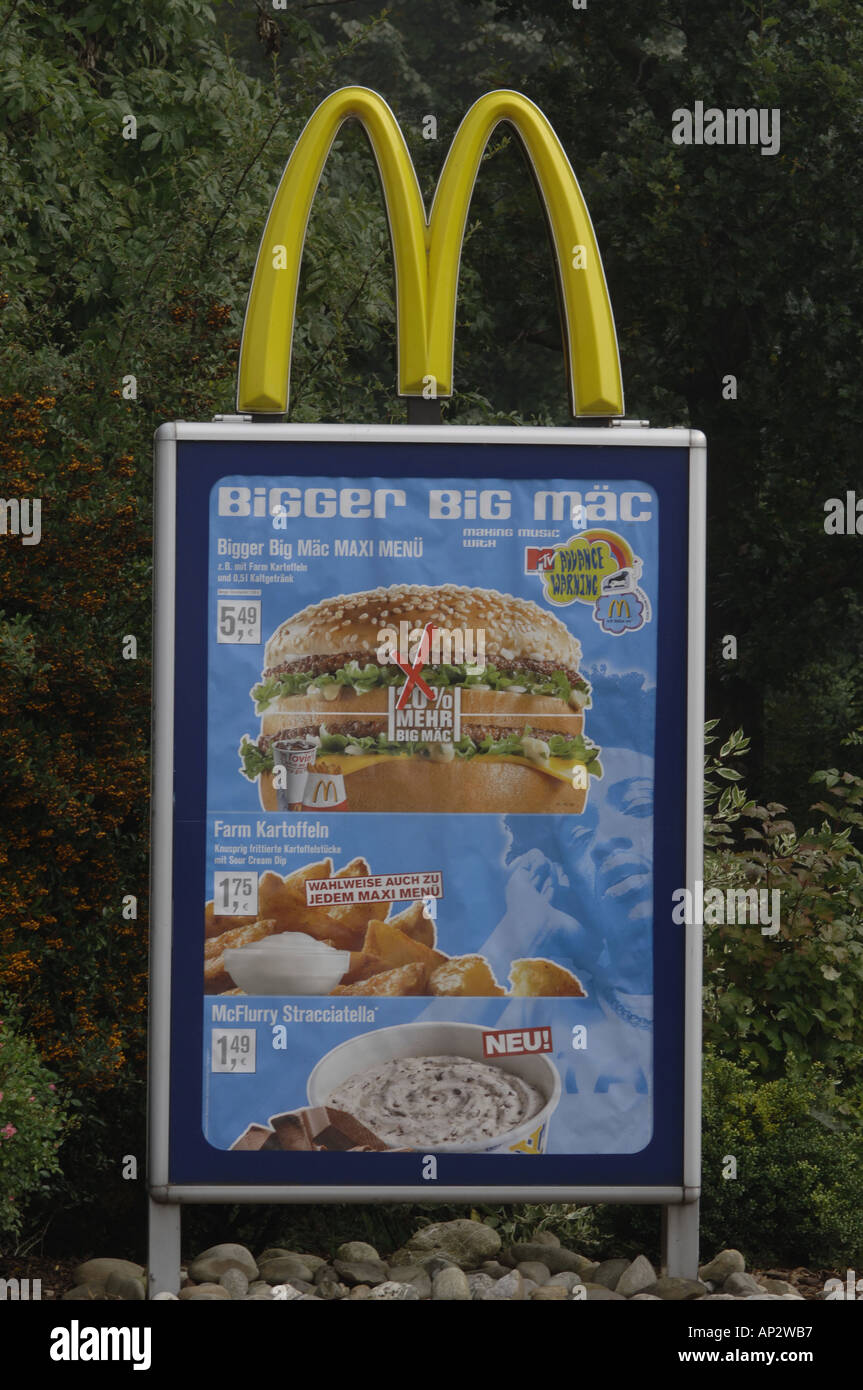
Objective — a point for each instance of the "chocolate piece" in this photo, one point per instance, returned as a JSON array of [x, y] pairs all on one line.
[[338, 1130], [254, 1137], [290, 1131]]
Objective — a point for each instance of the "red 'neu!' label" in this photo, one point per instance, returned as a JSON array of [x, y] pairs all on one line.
[[509, 1041]]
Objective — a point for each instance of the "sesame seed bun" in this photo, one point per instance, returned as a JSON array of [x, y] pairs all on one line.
[[515, 628]]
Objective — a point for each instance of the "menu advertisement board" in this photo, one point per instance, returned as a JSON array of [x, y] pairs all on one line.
[[429, 807]]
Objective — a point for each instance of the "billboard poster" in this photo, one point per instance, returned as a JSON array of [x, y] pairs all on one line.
[[430, 715]]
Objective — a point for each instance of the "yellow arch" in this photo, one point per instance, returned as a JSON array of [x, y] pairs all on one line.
[[591, 344], [427, 254]]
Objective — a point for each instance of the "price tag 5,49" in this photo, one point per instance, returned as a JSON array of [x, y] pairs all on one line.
[[239, 620], [235, 895]]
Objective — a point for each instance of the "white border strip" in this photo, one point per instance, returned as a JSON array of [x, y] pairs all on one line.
[[696, 657], [432, 1193], [162, 811]]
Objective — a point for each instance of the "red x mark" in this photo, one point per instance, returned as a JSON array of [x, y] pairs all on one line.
[[413, 672]]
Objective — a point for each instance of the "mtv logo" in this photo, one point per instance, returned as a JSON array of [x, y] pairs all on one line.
[[538, 558]]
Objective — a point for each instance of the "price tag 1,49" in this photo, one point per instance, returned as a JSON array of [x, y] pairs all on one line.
[[239, 620], [233, 1050], [235, 895]]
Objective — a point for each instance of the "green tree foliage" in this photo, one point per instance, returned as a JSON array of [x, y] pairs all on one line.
[[127, 263], [721, 260]]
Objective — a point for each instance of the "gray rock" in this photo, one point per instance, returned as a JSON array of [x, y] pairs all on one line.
[[495, 1268], [329, 1290], [256, 1298], [742, 1284], [644, 1297], [354, 1250], [433, 1264], [676, 1289], [125, 1286], [532, 1269], [780, 1286], [303, 1286], [566, 1280], [416, 1275], [391, 1290], [258, 1286], [94, 1273], [213, 1262], [549, 1292], [451, 1284], [555, 1258], [83, 1293], [610, 1271], [359, 1292], [545, 1238], [588, 1269], [235, 1281], [479, 1284], [637, 1277], [528, 1286], [465, 1243], [324, 1272], [278, 1252], [361, 1271], [718, 1297], [199, 1292], [511, 1287], [286, 1293], [285, 1268], [164, 1297], [763, 1298], [725, 1263], [600, 1293], [310, 1298]]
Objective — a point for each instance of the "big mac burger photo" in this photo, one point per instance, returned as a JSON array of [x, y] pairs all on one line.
[[498, 732]]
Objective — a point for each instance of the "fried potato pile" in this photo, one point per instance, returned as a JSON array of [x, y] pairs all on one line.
[[388, 955]]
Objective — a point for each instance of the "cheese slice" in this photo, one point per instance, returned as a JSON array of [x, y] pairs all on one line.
[[559, 768]]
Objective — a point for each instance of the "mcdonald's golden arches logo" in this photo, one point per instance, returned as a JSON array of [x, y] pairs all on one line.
[[427, 253], [619, 608]]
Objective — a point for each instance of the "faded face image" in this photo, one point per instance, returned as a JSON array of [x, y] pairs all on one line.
[[588, 891]]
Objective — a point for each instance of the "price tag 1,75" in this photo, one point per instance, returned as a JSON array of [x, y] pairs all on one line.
[[233, 1050], [239, 620], [235, 895]]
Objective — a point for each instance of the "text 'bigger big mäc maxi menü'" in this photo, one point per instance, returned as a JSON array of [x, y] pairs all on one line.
[[493, 720]]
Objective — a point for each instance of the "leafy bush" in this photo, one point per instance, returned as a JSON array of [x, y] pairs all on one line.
[[797, 1197], [798, 990], [34, 1121], [798, 1194]]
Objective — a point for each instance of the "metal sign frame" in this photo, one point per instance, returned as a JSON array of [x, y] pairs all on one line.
[[681, 1199]]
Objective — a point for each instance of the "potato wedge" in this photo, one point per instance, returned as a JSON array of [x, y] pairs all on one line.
[[356, 915], [405, 979], [464, 975], [385, 948], [416, 923], [544, 977]]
